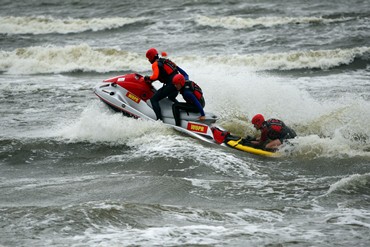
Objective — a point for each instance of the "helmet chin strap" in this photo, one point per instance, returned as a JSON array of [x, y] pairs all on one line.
[[154, 59]]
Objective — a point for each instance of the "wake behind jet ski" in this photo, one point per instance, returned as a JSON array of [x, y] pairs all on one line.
[[130, 94]]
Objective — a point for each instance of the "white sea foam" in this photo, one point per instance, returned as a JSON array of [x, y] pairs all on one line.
[[232, 22], [234, 91], [48, 24], [99, 124], [349, 216], [193, 231], [179, 147], [156, 236], [313, 146], [39, 183]]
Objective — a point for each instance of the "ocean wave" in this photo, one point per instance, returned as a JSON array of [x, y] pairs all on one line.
[[353, 184], [54, 59], [48, 24], [232, 22], [293, 60]]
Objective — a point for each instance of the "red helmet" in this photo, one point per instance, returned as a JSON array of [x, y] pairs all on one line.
[[152, 54], [258, 120], [178, 79]]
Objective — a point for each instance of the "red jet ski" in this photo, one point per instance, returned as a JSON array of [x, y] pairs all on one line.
[[130, 94]]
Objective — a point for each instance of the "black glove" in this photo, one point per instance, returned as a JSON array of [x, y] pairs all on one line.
[[250, 138], [247, 141], [147, 79]]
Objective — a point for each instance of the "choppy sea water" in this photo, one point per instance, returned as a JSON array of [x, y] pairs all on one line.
[[73, 173]]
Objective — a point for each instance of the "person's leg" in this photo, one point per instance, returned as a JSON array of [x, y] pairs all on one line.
[[172, 92], [166, 91], [176, 107], [176, 113], [188, 107], [159, 95]]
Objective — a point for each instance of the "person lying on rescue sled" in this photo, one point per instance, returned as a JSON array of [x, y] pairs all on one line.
[[274, 132], [163, 70], [193, 96]]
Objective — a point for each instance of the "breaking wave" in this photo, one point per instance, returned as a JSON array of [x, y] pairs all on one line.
[[232, 22], [357, 183], [48, 24], [54, 59]]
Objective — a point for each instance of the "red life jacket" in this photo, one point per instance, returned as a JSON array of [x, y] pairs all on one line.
[[275, 128], [167, 69], [197, 91]]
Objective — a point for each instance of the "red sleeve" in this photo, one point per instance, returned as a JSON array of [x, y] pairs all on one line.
[[155, 69]]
